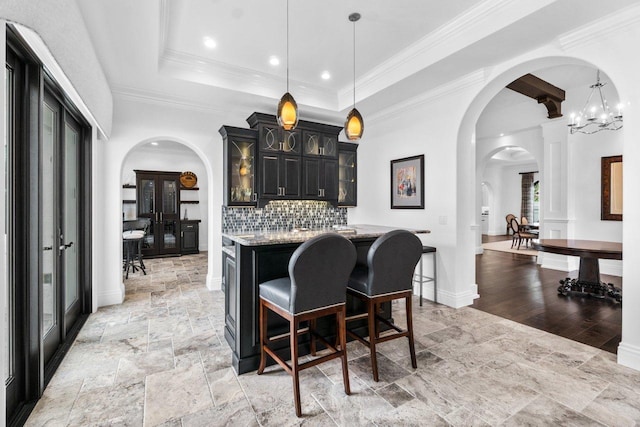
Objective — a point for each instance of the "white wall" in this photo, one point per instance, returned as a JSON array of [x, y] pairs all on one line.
[[138, 121], [403, 133], [163, 158], [507, 184]]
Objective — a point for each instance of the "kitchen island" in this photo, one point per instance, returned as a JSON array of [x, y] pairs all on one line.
[[251, 258]]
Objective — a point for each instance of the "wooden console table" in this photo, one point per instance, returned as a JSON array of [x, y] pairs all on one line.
[[589, 251]]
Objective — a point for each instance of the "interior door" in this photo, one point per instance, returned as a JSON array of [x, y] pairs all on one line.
[[59, 222]]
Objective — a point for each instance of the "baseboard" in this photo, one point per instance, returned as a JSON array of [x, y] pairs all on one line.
[[457, 300], [214, 283], [111, 298], [629, 355], [611, 267], [559, 262], [479, 250]]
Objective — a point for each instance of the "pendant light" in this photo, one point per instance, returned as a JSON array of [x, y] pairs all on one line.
[[287, 107], [354, 126]]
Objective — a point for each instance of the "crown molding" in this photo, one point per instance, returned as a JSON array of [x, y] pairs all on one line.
[[614, 23], [448, 89], [163, 99]]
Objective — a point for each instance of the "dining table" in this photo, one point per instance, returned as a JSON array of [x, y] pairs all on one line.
[[590, 252]]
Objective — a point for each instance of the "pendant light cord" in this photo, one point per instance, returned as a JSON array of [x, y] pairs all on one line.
[[354, 64], [287, 46]]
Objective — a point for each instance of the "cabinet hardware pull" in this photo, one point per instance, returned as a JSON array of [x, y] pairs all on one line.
[[255, 197]]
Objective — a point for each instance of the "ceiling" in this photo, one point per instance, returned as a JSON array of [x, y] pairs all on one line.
[[155, 48]]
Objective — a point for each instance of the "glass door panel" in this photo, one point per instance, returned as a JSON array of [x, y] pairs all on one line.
[[48, 217], [148, 197], [169, 197], [70, 222]]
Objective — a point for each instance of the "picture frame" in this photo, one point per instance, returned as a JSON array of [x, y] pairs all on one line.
[[407, 183], [611, 189]]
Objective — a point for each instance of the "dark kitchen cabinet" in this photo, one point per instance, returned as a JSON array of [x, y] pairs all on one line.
[[189, 236], [240, 157], [347, 174], [280, 176], [158, 199], [267, 163], [320, 179], [315, 143]]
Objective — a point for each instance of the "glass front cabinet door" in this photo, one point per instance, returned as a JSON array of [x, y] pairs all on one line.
[[240, 166], [347, 174]]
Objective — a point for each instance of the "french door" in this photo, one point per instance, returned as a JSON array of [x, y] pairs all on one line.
[[59, 219], [47, 227]]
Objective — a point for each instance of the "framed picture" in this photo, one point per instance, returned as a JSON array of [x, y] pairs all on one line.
[[611, 182], [407, 183]]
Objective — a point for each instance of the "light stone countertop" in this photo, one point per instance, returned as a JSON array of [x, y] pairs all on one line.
[[351, 231]]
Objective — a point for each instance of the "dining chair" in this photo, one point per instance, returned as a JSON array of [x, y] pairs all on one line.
[[520, 234], [509, 217]]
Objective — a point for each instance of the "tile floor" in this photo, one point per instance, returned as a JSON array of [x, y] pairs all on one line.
[[161, 359]]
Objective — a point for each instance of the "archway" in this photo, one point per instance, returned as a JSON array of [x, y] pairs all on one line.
[[562, 205], [169, 153]]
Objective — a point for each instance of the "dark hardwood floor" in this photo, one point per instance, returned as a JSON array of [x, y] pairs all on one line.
[[513, 286]]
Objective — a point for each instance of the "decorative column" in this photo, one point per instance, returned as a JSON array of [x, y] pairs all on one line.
[[556, 200]]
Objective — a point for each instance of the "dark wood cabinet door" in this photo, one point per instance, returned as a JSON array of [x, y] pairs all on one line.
[[189, 238], [290, 175], [329, 176], [230, 290], [269, 176], [311, 178]]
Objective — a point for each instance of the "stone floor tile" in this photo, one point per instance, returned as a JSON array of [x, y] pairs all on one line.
[[117, 405], [175, 393], [546, 412]]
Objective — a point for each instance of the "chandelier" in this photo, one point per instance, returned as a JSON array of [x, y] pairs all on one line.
[[594, 118]]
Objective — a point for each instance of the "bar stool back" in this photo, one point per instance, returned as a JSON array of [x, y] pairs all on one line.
[[318, 273], [388, 275]]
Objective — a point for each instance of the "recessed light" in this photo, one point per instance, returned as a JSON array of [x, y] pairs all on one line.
[[502, 134], [325, 75], [155, 143], [274, 60], [209, 42]]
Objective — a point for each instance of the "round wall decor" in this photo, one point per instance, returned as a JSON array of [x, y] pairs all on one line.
[[188, 179]]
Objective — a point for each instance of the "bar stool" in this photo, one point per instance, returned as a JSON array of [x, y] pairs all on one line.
[[421, 279], [132, 242], [388, 275], [318, 273]]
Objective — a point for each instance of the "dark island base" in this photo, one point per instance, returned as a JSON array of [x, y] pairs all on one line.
[[601, 290]]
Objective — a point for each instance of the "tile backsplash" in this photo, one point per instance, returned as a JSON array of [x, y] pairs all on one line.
[[283, 215]]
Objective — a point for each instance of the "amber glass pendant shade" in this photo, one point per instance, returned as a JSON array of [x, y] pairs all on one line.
[[287, 112], [354, 126]]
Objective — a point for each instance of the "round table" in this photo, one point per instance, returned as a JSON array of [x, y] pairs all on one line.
[[589, 251]]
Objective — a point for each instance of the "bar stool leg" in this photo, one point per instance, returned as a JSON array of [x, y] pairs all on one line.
[[421, 279], [373, 333], [295, 372], [435, 280], [342, 331], [412, 347], [263, 337]]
